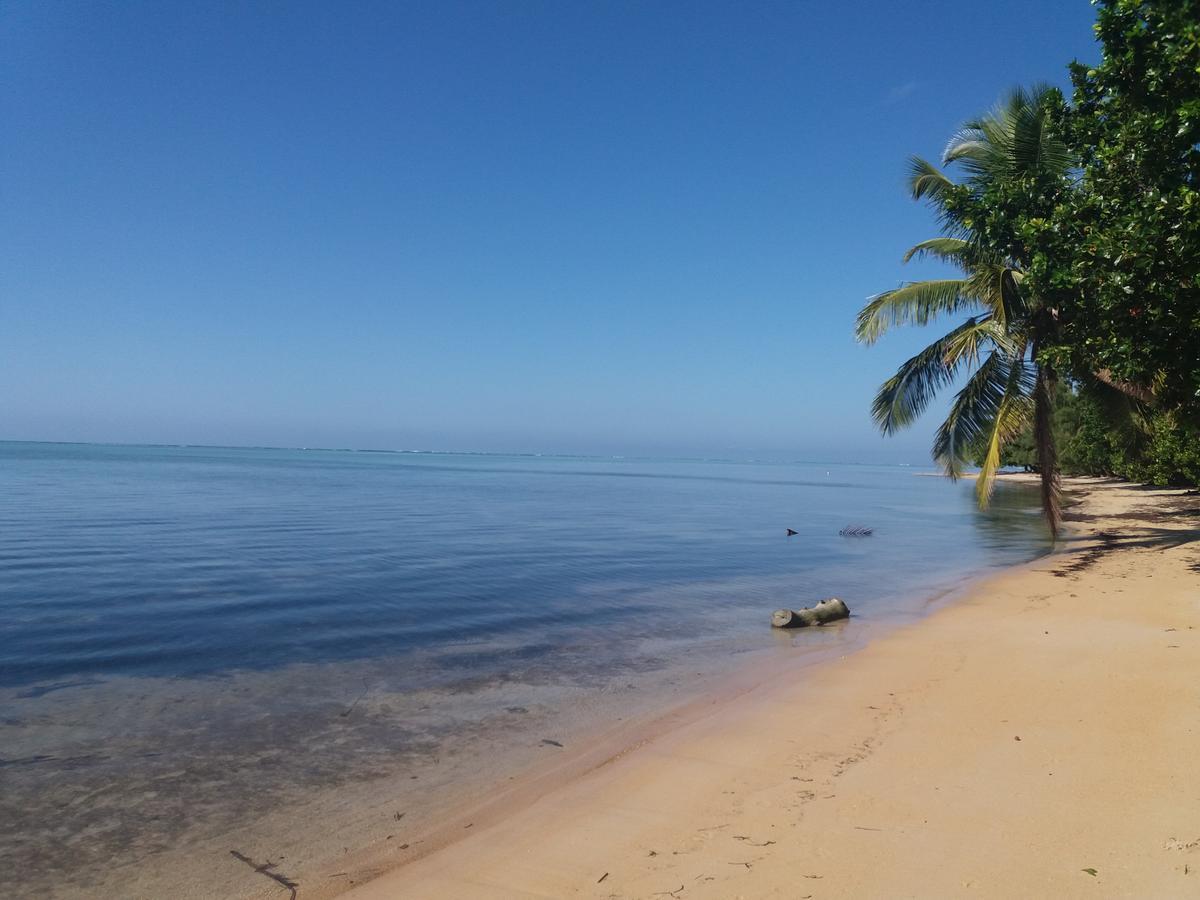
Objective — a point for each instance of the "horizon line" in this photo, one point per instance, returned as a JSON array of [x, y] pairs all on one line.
[[428, 452]]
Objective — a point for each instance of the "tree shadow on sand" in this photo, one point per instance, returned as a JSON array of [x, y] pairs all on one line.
[[1171, 523]]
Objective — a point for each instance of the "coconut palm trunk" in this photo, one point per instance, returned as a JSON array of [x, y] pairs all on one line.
[[1044, 446]]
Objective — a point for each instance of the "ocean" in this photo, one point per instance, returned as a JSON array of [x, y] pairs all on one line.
[[195, 641]]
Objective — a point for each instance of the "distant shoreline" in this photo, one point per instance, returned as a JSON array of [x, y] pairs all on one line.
[[519, 454]]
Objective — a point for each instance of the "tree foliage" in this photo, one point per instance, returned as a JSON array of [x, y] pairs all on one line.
[[1120, 254]]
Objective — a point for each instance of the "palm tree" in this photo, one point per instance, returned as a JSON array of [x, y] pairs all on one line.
[[1010, 152]]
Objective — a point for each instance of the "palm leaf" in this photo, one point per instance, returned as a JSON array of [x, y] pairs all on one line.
[[925, 180], [956, 251], [1014, 139], [970, 148], [966, 344], [973, 413], [915, 303], [903, 397], [995, 283], [1037, 151], [1012, 417]]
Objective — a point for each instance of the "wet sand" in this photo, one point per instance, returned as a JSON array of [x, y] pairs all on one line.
[[1038, 738]]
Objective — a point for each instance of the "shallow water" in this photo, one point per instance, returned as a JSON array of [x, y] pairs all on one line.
[[191, 638]]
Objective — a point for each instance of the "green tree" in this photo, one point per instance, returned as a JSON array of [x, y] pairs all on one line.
[[1120, 255], [1015, 167]]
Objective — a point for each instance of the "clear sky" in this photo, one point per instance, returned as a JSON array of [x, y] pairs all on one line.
[[563, 227]]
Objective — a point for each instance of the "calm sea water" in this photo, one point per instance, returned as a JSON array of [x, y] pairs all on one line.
[[184, 561], [168, 614]]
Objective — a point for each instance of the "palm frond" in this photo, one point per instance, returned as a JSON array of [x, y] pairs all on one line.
[[1037, 151], [927, 180], [903, 397], [915, 303], [1012, 300], [1014, 139], [957, 251], [1012, 417], [970, 147], [1125, 414], [973, 412], [1138, 392], [994, 282], [966, 344]]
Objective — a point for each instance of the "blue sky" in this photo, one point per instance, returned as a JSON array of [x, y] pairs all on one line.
[[604, 227]]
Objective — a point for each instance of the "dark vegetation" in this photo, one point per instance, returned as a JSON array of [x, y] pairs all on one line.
[[1157, 449]]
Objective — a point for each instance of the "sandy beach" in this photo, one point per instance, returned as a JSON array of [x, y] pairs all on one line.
[[1038, 737]]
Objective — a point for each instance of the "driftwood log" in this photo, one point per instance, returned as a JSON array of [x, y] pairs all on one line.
[[826, 611]]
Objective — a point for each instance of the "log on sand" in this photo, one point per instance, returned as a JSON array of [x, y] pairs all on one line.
[[825, 611]]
